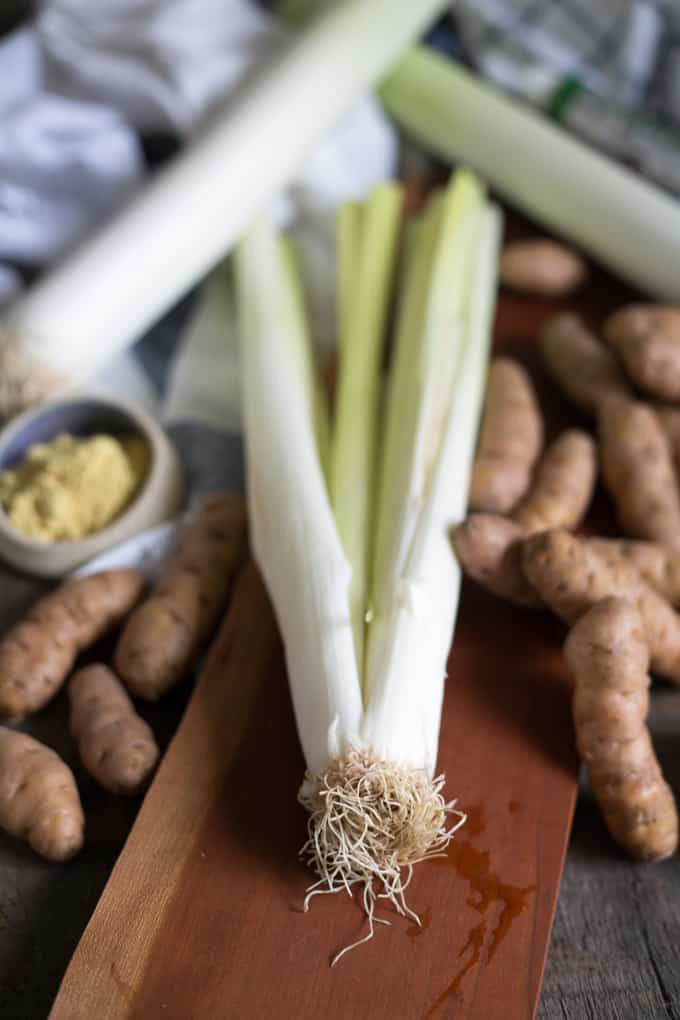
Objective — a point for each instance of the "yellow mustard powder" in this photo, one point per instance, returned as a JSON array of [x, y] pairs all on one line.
[[71, 487]]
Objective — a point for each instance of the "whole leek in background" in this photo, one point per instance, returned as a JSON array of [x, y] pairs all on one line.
[[367, 678], [102, 296], [630, 225]]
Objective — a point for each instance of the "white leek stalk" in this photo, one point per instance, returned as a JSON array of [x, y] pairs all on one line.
[[293, 533], [376, 807], [300, 328], [633, 227], [432, 347], [353, 458], [104, 295]]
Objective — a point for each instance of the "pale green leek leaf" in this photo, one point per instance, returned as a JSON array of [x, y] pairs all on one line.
[[410, 644], [349, 251], [427, 354], [355, 436]]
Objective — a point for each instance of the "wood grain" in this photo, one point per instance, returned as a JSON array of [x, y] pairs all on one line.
[[202, 915], [615, 952]]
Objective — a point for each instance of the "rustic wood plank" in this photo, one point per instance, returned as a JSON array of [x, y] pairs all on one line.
[[113, 954]]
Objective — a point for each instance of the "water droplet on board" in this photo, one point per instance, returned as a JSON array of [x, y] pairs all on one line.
[[485, 890]]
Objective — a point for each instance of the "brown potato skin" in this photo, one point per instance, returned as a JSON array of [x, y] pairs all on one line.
[[638, 471], [647, 339], [584, 369], [488, 545], [39, 799], [489, 549], [572, 575], [162, 638], [37, 654], [669, 417], [115, 744], [542, 267], [608, 656], [657, 563], [563, 484], [510, 439]]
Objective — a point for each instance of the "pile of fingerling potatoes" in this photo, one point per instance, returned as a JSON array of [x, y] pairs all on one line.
[[162, 632], [618, 595]]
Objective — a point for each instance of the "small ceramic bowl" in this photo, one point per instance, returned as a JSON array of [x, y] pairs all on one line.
[[159, 497]]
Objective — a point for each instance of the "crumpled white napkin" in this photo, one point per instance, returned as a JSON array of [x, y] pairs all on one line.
[[81, 81], [162, 63], [65, 163], [167, 64]]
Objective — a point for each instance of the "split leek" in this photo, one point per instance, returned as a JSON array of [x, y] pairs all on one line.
[[376, 806], [608, 210], [102, 297]]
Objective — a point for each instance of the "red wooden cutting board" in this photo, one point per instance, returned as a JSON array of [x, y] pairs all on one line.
[[202, 918]]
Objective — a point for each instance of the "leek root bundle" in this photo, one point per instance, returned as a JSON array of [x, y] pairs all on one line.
[[352, 534]]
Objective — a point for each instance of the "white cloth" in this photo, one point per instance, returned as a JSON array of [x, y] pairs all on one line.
[[86, 77], [65, 164], [162, 63]]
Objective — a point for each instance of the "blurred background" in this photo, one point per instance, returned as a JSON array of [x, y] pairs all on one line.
[[97, 93], [13, 11]]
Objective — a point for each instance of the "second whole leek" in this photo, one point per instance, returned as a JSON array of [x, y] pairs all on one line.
[[369, 725], [602, 206], [102, 296]]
